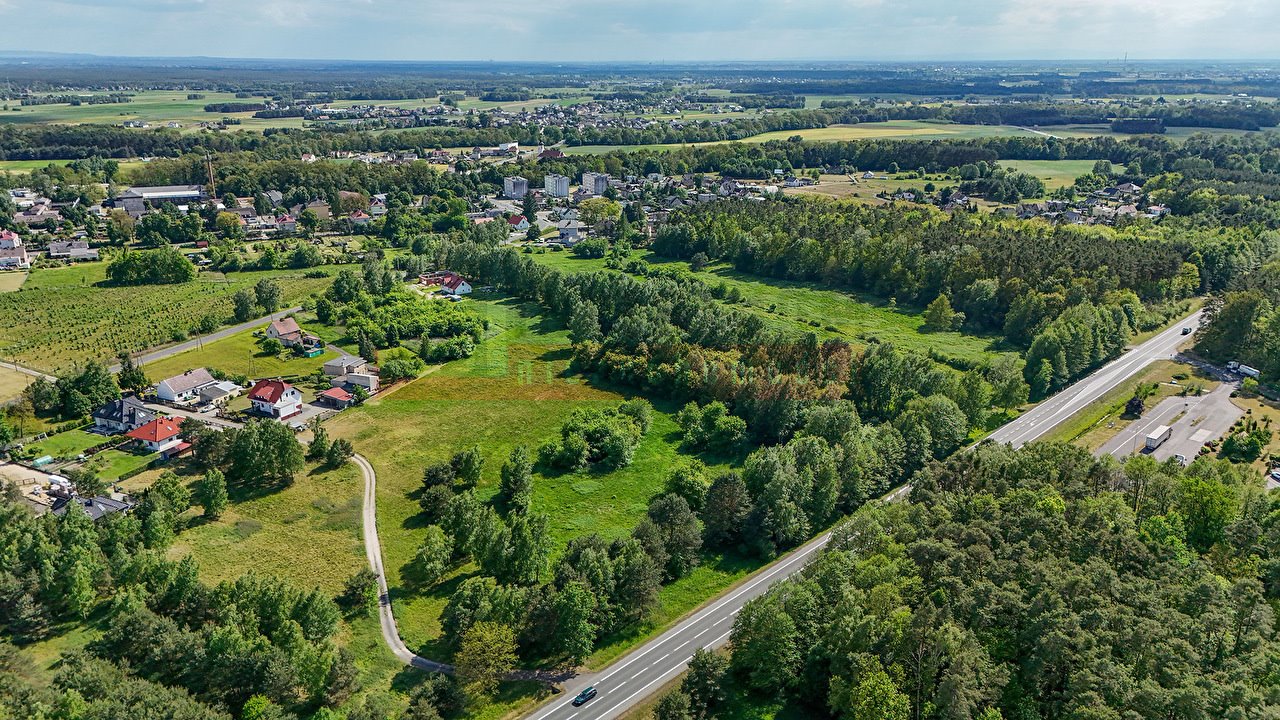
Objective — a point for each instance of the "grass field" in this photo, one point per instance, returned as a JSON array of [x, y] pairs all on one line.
[[797, 306], [12, 280], [111, 464], [1175, 133], [64, 316], [514, 390], [1055, 173], [238, 355], [12, 383], [65, 445]]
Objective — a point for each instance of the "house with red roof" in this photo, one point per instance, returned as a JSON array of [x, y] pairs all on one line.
[[290, 334], [160, 435], [276, 399], [455, 285], [518, 222], [336, 397], [360, 217]]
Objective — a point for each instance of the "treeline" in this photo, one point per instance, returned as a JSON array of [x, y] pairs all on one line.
[[233, 107], [109, 99], [1244, 325], [1039, 582]]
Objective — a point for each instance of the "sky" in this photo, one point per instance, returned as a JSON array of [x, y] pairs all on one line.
[[649, 30]]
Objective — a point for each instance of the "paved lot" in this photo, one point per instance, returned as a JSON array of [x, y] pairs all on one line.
[[1194, 420]]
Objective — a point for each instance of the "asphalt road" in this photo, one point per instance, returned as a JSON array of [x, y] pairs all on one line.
[[1053, 411], [196, 342], [631, 679], [1194, 421]]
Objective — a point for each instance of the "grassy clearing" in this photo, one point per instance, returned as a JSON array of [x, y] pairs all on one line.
[[11, 281], [515, 390], [111, 464], [307, 533], [1101, 420], [12, 383], [1055, 173], [1262, 410], [238, 354], [64, 316], [157, 107]]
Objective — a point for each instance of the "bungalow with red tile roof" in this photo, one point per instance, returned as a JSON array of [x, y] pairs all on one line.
[[160, 435], [518, 222], [275, 398]]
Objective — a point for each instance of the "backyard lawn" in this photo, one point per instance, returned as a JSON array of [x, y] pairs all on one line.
[[67, 444], [238, 354]]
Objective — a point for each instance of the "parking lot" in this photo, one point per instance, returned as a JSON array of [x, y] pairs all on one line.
[[1193, 420]]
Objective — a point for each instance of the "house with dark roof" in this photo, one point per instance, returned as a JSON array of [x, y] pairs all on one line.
[[96, 507], [121, 416], [276, 399]]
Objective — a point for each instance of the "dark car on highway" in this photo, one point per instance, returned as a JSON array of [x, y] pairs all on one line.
[[584, 696]]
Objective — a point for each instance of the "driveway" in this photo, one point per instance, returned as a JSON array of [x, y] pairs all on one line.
[[1194, 421]]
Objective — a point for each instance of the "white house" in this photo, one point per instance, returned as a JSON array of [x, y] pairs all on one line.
[[456, 286], [185, 387], [275, 398], [518, 223], [12, 253]]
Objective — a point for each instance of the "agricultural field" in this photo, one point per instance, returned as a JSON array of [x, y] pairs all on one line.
[[157, 107], [515, 390], [239, 354], [912, 129], [1175, 133], [24, 166], [66, 315]]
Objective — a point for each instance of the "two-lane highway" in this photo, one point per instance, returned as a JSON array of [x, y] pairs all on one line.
[[1056, 409], [640, 673]]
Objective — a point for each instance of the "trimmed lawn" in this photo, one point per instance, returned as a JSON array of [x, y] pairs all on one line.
[[63, 316], [65, 445], [1055, 173], [111, 464], [515, 390], [238, 354]]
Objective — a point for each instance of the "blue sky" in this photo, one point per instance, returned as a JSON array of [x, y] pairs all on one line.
[[649, 30]]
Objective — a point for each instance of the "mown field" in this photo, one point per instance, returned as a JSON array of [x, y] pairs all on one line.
[[66, 315], [515, 390], [12, 383]]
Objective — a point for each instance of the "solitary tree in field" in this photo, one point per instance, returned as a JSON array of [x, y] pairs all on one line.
[[211, 493], [939, 315], [268, 294], [243, 304]]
